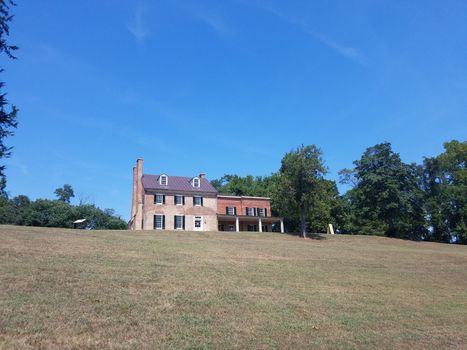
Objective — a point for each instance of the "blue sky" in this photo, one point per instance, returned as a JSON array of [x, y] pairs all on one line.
[[226, 87]]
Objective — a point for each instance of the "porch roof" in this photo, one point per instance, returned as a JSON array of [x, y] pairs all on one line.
[[225, 217]]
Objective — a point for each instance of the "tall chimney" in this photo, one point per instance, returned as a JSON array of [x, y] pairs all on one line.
[[139, 195], [139, 174], [133, 197]]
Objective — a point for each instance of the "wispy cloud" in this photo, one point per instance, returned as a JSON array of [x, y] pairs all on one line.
[[214, 21], [137, 26], [58, 58], [209, 17], [346, 51]]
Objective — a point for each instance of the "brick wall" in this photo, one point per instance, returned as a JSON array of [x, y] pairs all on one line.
[[241, 203], [170, 209]]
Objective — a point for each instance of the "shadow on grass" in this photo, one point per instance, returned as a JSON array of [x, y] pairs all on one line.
[[317, 236]]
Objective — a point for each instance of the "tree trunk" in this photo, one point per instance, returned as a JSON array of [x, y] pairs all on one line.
[[302, 221]]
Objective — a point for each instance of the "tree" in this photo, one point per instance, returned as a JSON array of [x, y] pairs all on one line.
[[387, 198], [326, 207], [445, 186], [7, 211], [7, 113], [65, 193], [298, 185], [55, 213], [243, 186]]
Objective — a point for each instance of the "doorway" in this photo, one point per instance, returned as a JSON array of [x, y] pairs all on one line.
[[198, 223]]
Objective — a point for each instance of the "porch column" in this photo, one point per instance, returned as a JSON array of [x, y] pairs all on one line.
[[237, 224], [282, 225], [260, 226]]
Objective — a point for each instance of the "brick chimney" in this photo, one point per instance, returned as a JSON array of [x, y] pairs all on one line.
[[202, 175], [136, 219]]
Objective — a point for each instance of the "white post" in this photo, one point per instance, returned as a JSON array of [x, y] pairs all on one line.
[[237, 224], [282, 225], [260, 226], [330, 229]]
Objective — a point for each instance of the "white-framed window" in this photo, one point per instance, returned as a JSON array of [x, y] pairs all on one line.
[[196, 182], [159, 199], [179, 222], [197, 200], [230, 211], [261, 212], [163, 180], [159, 222], [250, 211], [179, 199]]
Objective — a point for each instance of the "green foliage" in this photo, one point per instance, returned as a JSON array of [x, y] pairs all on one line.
[[387, 197], [65, 193], [56, 213], [300, 189], [99, 219], [445, 185], [243, 186], [7, 211], [7, 113]]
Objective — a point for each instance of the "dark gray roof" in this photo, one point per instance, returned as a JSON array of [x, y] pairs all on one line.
[[176, 183]]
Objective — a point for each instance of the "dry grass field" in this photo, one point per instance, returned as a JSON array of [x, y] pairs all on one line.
[[67, 289]]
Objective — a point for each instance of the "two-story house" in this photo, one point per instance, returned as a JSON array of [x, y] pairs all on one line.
[[163, 202]]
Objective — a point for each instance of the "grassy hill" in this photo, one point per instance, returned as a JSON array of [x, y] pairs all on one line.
[[67, 289]]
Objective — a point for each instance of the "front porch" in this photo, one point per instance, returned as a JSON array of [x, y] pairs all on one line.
[[237, 223]]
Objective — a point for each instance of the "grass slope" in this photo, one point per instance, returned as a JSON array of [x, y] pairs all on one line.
[[66, 289]]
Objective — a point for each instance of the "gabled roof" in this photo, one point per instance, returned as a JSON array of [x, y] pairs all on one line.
[[177, 183]]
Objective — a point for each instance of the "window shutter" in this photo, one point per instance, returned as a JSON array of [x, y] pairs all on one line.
[[154, 223], [155, 196], [201, 201], [246, 211], [265, 212], [235, 210], [183, 221], [163, 199], [254, 212], [226, 210], [183, 200], [175, 222], [163, 222]]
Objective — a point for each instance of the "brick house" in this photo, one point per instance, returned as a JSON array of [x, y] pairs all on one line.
[[163, 202]]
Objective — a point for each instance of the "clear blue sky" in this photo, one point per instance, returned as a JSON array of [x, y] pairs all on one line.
[[226, 87]]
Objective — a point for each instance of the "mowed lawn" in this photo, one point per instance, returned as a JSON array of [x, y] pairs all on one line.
[[71, 289]]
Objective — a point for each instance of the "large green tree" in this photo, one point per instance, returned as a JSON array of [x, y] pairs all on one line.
[[387, 198], [7, 113], [298, 188], [65, 193], [445, 185]]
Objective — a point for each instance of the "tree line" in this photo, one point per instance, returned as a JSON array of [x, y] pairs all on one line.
[[386, 197], [20, 210]]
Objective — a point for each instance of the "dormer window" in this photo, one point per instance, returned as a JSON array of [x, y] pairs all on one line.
[[163, 180], [196, 182]]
